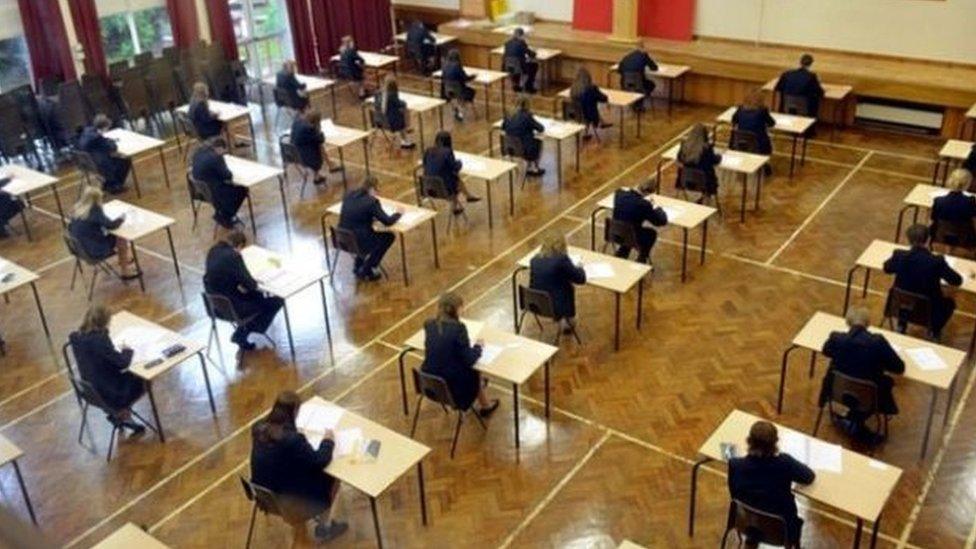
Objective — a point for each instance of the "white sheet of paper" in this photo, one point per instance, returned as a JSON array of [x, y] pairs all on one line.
[[731, 161], [673, 212], [926, 358], [114, 210], [938, 193], [347, 441], [816, 454], [411, 217], [474, 165], [577, 259], [389, 209], [489, 353], [329, 128], [474, 328], [598, 270], [315, 419], [146, 344]]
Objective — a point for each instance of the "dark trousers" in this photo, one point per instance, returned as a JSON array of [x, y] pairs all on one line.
[[263, 308], [941, 313], [527, 79], [9, 208], [116, 171], [374, 248], [227, 201], [645, 241]]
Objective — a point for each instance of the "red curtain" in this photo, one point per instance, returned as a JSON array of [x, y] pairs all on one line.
[[302, 36], [47, 40], [671, 19], [221, 27], [593, 15], [183, 20], [369, 24], [85, 17]]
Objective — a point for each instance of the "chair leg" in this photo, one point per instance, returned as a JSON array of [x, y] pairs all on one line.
[[111, 442], [84, 421], [480, 421], [91, 290], [816, 426], [416, 415], [457, 433], [74, 274], [521, 321], [250, 527], [575, 334]]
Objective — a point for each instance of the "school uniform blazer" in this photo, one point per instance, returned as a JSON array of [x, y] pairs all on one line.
[[308, 140], [448, 353], [860, 354], [92, 233], [766, 484], [10, 205], [289, 83], [100, 148], [970, 162], [519, 49], [919, 271], [589, 102], [636, 61], [359, 210], [102, 365], [706, 162], [556, 276], [805, 83], [757, 122], [210, 168], [454, 72], [440, 162], [351, 64], [419, 36], [523, 126], [226, 274], [395, 112], [291, 467], [631, 207], [206, 124]]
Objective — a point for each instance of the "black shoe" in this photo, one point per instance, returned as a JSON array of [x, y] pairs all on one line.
[[902, 326], [606, 124], [336, 169], [240, 339], [131, 276], [472, 199], [459, 116], [319, 180], [587, 136], [457, 211], [531, 90], [408, 145], [490, 409], [136, 428], [767, 170], [538, 172], [328, 532], [4, 232]]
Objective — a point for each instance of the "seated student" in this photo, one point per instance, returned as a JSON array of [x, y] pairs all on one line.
[[448, 354], [307, 137], [205, 122], [956, 207], [439, 161], [753, 116], [862, 355], [638, 62], [802, 82], [10, 206], [764, 478], [919, 271], [351, 65], [360, 209], [588, 97], [106, 367], [288, 82], [632, 207], [969, 164], [453, 72], [388, 103], [420, 41], [226, 275], [104, 151], [553, 272], [283, 461], [521, 125], [210, 168], [517, 48], [697, 152], [90, 227]]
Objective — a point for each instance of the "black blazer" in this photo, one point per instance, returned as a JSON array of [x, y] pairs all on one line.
[[211, 169], [290, 84], [804, 83], [861, 354], [418, 36], [227, 275], [206, 124], [359, 210], [308, 140], [291, 467], [631, 207], [556, 275], [102, 365], [454, 72], [766, 483], [919, 271], [448, 353], [99, 147], [589, 102], [706, 162], [523, 126], [955, 206], [970, 162], [757, 122], [351, 64], [395, 111], [519, 49], [440, 162], [636, 61], [92, 233]]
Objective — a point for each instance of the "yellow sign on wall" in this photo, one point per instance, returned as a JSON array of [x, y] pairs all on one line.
[[497, 8]]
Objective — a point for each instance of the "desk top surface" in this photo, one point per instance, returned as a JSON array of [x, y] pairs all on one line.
[[787, 123], [280, 275], [24, 180], [148, 340], [602, 270], [680, 213]]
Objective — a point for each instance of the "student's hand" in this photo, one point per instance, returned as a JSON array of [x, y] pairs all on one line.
[[401, 210], [121, 217], [479, 342], [328, 435], [972, 274]]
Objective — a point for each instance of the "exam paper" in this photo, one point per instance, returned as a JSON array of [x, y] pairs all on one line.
[[673, 212], [329, 128], [816, 454], [489, 353], [926, 358], [347, 441], [598, 270], [473, 164], [474, 328], [146, 344], [731, 161], [315, 419], [411, 217]]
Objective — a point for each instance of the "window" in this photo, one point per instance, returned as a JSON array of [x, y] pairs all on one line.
[[15, 69], [131, 27], [263, 36]]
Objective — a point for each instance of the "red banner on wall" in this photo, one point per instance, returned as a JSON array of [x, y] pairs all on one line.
[[671, 19], [593, 15]]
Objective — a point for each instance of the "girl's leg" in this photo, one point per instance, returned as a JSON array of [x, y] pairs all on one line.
[[125, 255]]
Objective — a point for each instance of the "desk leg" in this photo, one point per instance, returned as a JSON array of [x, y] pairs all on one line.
[[420, 122], [670, 96], [376, 522], [423, 493], [291, 341], [640, 303], [403, 259], [23, 491], [640, 116], [759, 183], [857, 533], [342, 165], [365, 157], [616, 322], [928, 424], [57, 201], [335, 110], [948, 406], [578, 152], [559, 163], [847, 288], [155, 412], [135, 179], [254, 221], [546, 366], [813, 363], [701, 261], [284, 199], [972, 341], [172, 251], [515, 403], [511, 193], [135, 260], [935, 172], [621, 137], [23, 217], [206, 381], [433, 239], [684, 254], [325, 313], [487, 103], [694, 493], [162, 159], [874, 532], [488, 200], [793, 155], [40, 310], [745, 190], [782, 376], [403, 379]]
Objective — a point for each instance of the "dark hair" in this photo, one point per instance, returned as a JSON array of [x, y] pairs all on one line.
[[454, 55], [448, 306], [917, 234], [217, 142], [102, 122], [806, 60], [762, 439], [519, 31], [370, 183], [280, 419], [236, 238], [443, 139], [313, 117]]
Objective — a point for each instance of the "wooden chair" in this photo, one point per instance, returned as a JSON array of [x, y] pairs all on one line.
[[539, 303], [512, 149], [431, 188], [436, 390], [745, 141], [86, 165], [696, 181], [859, 396], [513, 66], [269, 503], [795, 104], [454, 92], [908, 308], [753, 527]]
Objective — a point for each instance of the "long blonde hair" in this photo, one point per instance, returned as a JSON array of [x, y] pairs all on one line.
[[693, 145], [449, 307], [90, 198], [960, 180], [553, 245], [96, 319], [200, 93], [583, 81], [389, 86]]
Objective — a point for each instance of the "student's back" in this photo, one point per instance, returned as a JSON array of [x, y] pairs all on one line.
[[308, 140], [636, 61], [766, 482], [290, 466], [954, 207], [919, 271], [756, 121], [556, 274], [206, 124], [802, 82]]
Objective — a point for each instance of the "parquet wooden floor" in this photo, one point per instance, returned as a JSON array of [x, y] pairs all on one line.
[[613, 462]]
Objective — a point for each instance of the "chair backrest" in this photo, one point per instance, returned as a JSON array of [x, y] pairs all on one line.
[[289, 152], [72, 110], [135, 93], [116, 69], [620, 233], [795, 104], [142, 58], [171, 53], [219, 307], [512, 65], [15, 139], [960, 234], [98, 99], [432, 186], [378, 116], [186, 125], [632, 81], [345, 240], [758, 526], [858, 395], [49, 87], [453, 89], [166, 94], [76, 249], [265, 499], [68, 356], [198, 190], [537, 302], [433, 387], [84, 162], [512, 146], [30, 111], [87, 392], [908, 307], [692, 179], [281, 98], [742, 140], [573, 110]]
